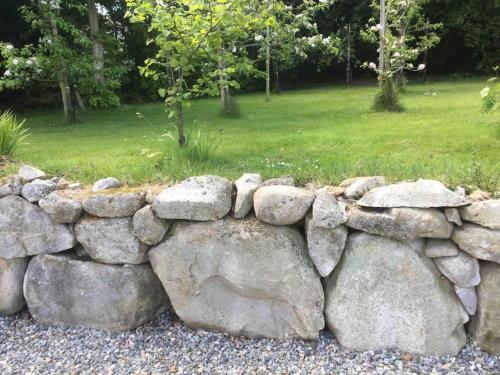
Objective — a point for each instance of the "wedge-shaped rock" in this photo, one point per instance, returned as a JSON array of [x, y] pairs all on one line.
[[468, 298], [462, 269], [421, 194], [325, 245], [148, 227], [282, 205], [440, 248], [26, 230], [358, 186], [389, 294], [63, 206], [111, 240], [246, 186], [401, 223], [327, 212], [485, 325], [29, 173], [453, 216], [114, 202], [478, 241], [200, 198], [11, 284], [485, 213], [10, 186], [35, 190], [76, 292], [242, 277], [106, 184]]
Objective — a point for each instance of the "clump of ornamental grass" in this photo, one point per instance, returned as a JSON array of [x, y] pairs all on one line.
[[387, 97], [12, 133]]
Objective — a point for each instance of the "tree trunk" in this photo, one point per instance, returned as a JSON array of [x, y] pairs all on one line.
[[69, 113], [277, 87], [348, 70], [97, 46], [381, 53], [180, 124], [424, 71], [79, 100], [268, 59]]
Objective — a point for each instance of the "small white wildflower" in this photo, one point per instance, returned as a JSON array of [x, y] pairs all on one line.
[[372, 66], [9, 47], [485, 92], [421, 67], [15, 61], [7, 73], [258, 37], [29, 62], [397, 54]]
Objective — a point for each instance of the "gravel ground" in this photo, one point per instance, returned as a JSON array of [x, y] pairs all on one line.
[[168, 346]]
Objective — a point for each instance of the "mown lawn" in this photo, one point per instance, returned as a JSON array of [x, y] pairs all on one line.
[[322, 134]]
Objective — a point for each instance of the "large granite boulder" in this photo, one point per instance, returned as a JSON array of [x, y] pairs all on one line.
[[325, 245], [200, 198], [485, 213], [282, 205], [485, 325], [242, 277], [478, 241], [422, 194], [26, 230], [76, 292], [11, 186], [114, 202], [389, 294], [35, 190], [401, 223], [148, 227], [246, 186], [111, 240], [63, 206], [11, 284]]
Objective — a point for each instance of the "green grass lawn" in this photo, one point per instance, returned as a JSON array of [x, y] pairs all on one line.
[[321, 134]]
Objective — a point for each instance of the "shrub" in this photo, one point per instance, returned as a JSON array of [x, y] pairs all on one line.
[[12, 133], [387, 97]]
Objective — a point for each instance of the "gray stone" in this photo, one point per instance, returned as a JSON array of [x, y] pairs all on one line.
[[421, 194], [30, 173], [282, 205], [246, 186], [11, 186], [106, 183], [325, 245], [479, 195], [35, 190], [327, 212], [479, 242], [468, 298], [111, 240], [485, 213], [358, 186], [283, 181], [485, 325], [26, 230], [440, 248], [148, 227], [11, 284], [75, 186], [200, 198], [401, 223], [462, 269], [388, 294], [114, 202], [62, 206], [453, 216], [242, 277], [71, 291]]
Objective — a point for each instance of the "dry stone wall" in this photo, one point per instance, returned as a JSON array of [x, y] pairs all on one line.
[[403, 265]]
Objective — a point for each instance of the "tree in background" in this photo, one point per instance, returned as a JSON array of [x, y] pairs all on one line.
[[61, 55], [402, 35], [192, 39]]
